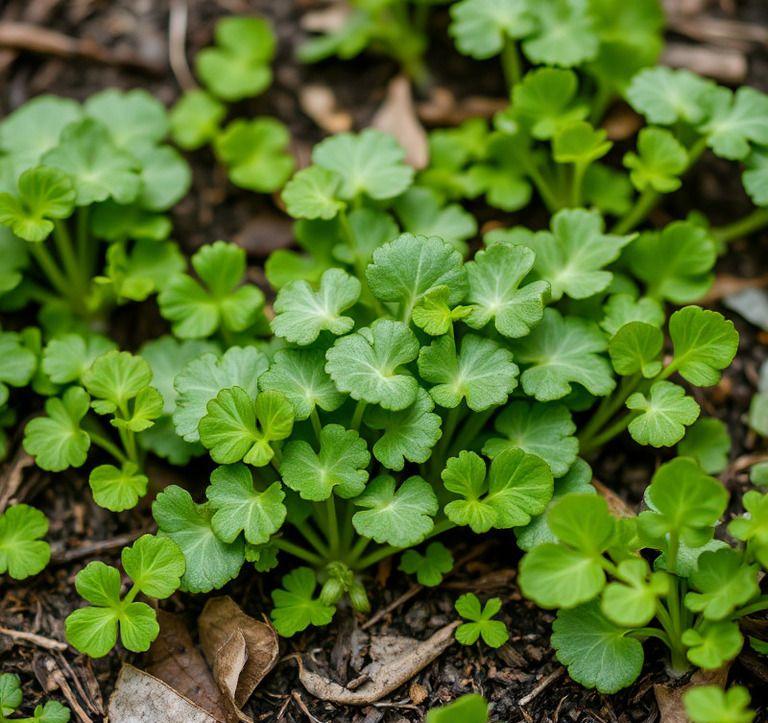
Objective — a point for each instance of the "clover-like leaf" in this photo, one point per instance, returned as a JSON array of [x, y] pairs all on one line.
[[97, 167], [43, 194], [482, 624], [545, 101], [713, 644], [22, 552], [155, 564], [237, 66], [433, 314], [722, 583], [197, 311], [237, 427], [573, 255], [635, 348], [117, 489], [598, 653], [659, 161], [195, 119], [296, 608], [545, 430], [564, 36], [709, 443], [301, 313], [570, 572], [496, 291], [340, 466], [430, 567], [17, 363], [370, 163], [56, 440], [481, 372], [561, 351], [311, 193], [114, 379], [663, 415], [683, 502], [256, 153], [752, 527], [675, 263], [666, 96], [705, 343], [300, 375], [580, 143], [240, 507], [401, 517], [622, 309], [481, 27], [68, 357], [632, 601], [132, 117], [409, 434], [735, 121], [203, 378], [165, 177], [210, 562], [409, 267], [710, 704], [369, 364], [518, 486]]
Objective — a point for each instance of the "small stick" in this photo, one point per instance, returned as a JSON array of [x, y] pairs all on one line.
[[34, 639], [396, 603], [177, 36], [544, 683], [91, 549], [303, 706]]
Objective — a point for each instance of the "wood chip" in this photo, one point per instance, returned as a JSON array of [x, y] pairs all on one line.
[[239, 650], [388, 676], [21, 636], [397, 116], [319, 103]]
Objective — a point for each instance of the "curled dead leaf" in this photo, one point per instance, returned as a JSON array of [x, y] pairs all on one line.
[[239, 650], [397, 116], [395, 660], [319, 103], [141, 698], [670, 698]]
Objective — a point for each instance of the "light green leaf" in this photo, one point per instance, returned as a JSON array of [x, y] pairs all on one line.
[[735, 120], [664, 415], [340, 465], [301, 313], [311, 193], [195, 119], [470, 708], [496, 291], [633, 601], [481, 372], [482, 625], [117, 489], [68, 357], [621, 309], [722, 583], [752, 527], [433, 315], [659, 162], [132, 117], [709, 704], [165, 177], [114, 379], [369, 364], [481, 27], [240, 507], [155, 564], [430, 567], [401, 517], [580, 143], [22, 552], [564, 34], [666, 96], [635, 348], [713, 644], [709, 443], [561, 351], [17, 363], [210, 562], [295, 607]]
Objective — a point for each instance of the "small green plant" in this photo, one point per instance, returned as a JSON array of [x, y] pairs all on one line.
[[254, 151], [470, 708], [710, 704], [691, 596], [22, 552], [481, 623], [10, 701]]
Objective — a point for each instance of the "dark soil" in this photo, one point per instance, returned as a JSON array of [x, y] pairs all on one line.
[[215, 210]]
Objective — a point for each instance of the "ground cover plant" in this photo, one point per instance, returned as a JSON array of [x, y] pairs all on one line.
[[444, 351]]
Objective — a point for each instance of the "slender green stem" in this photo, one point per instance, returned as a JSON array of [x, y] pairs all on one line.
[[347, 527], [449, 428], [543, 186], [475, 422], [366, 294], [754, 607], [377, 556], [107, 445], [608, 433], [86, 249], [320, 517], [440, 527], [314, 417], [601, 102], [608, 407], [358, 549], [357, 416], [577, 182], [298, 551], [334, 539], [51, 270], [306, 531], [130, 596], [510, 63], [743, 227], [68, 258], [645, 203], [645, 633]]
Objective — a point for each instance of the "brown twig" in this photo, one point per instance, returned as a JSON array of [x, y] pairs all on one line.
[[33, 639], [37, 39], [303, 706], [92, 549], [11, 480], [540, 687], [396, 603], [177, 39]]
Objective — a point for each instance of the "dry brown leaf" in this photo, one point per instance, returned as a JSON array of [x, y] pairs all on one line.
[[617, 506], [174, 659], [670, 699], [319, 103], [395, 661], [141, 698], [397, 116], [239, 649]]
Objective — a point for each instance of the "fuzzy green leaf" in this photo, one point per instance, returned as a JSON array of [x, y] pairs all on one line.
[[132, 117], [564, 34], [481, 27], [735, 121], [622, 309], [68, 357]]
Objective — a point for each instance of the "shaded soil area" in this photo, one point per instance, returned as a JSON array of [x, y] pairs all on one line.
[[82, 531]]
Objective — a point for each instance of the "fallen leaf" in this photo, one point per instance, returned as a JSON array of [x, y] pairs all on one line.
[[239, 649], [617, 506], [319, 103], [670, 698], [397, 116], [141, 698], [395, 660], [174, 659]]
